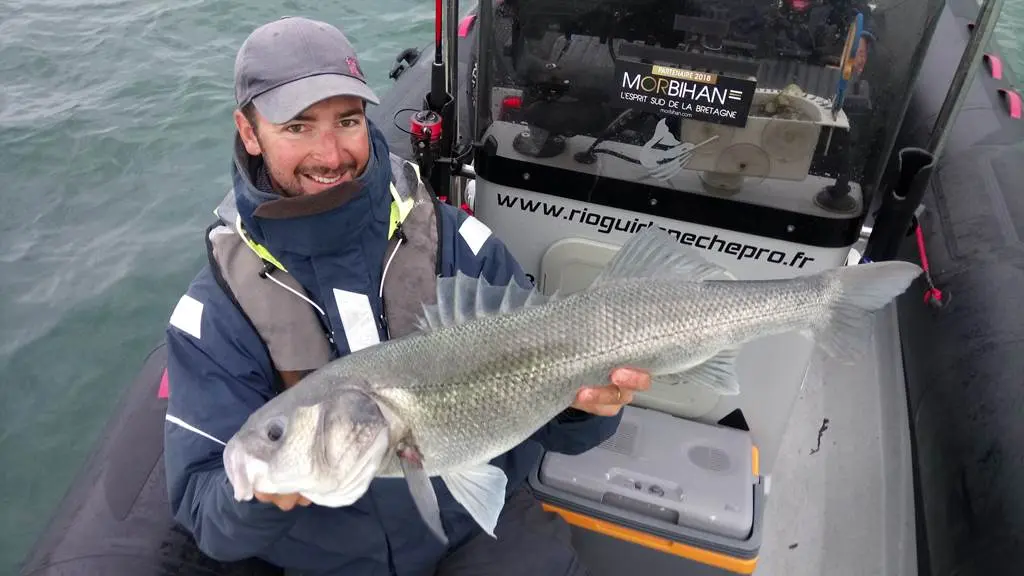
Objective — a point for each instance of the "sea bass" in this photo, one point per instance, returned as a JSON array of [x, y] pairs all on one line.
[[493, 364]]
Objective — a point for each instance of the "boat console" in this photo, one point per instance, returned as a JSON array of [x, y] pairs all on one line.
[[744, 128]]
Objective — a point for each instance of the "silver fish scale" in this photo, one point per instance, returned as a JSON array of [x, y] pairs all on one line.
[[526, 367], [468, 408]]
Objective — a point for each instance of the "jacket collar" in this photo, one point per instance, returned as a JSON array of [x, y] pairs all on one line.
[[328, 223]]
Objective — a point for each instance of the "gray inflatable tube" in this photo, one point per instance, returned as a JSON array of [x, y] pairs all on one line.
[[964, 361]]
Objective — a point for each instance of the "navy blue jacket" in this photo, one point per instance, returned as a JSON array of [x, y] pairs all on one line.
[[219, 372]]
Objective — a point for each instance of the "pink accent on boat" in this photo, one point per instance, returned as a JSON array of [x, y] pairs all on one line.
[[995, 65], [164, 391], [465, 24], [1013, 102]]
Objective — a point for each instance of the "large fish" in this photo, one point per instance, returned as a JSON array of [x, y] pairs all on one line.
[[491, 365]]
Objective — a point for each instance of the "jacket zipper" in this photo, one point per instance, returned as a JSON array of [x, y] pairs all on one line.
[[383, 307]]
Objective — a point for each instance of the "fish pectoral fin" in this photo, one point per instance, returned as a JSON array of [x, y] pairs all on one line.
[[718, 373], [481, 491], [422, 491], [462, 298], [653, 253]]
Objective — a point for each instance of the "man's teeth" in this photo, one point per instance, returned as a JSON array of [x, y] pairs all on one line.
[[324, 179]]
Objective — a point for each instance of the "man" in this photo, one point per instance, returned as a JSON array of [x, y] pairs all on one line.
[[821, 26], [327, 244], [816, 27]]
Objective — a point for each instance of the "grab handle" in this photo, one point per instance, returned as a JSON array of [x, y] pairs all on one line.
[[1013, 102]]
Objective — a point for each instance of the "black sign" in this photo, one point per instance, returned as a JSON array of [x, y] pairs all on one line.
[[704, 96]]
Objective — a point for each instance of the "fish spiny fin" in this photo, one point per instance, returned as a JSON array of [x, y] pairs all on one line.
[[488, 298], [431, 317], [653, 253], [462, 298], [513, 297], [481, 491], [861, 290], [464, 302]]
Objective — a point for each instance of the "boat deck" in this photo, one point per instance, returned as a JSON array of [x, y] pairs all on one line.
[[841, 500]]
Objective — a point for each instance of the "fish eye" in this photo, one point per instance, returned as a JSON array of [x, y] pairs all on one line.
[[274, 431]]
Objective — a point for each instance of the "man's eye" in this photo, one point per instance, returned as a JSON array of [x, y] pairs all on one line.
[[294, 128]]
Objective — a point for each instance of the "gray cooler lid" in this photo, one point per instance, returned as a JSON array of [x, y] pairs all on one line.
[[670, 470]]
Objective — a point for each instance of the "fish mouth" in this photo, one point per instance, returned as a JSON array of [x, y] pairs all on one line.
[[242, 471]]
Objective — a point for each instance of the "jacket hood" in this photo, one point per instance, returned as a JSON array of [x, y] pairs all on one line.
[[320, 225]]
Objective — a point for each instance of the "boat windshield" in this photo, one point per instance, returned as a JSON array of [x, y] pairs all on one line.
[[770, 102]]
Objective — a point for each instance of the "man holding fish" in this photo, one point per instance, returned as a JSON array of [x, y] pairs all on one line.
[[328, 247]]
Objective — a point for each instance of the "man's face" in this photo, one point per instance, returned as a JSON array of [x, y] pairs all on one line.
[[325, 145]]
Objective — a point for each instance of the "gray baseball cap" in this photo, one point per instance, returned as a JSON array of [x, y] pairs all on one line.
[[288, 65]]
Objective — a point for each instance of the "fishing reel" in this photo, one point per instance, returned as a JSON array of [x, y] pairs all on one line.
[[425, 134]]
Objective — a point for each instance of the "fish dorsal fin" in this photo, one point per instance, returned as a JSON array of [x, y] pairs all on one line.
[[462, 298], [653, 253]]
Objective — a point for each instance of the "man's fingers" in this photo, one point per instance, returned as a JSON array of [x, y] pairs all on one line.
[[283, 501], [604, 409], [628, 378], [608, 400], [608, 395]]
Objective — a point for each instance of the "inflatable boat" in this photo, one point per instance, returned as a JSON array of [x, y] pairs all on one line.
[[747, 131]]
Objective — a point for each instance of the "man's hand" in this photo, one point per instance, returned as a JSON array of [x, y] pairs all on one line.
[[608, 400], [283, 501], [861, 58]]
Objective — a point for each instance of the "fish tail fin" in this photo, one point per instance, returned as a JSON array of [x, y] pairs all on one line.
[[862, 290], [654, 253]]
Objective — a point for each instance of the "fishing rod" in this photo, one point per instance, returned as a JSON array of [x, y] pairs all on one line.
[[434, 129], [896, 216]]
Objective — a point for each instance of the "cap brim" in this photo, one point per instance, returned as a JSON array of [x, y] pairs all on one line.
[[285, 102]]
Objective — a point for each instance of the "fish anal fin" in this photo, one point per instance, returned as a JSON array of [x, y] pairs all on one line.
[[717, 373], [481, 491]]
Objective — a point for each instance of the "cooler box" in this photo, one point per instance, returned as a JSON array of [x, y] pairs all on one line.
[[663, 495]]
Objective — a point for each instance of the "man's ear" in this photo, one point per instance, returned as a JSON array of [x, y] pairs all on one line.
[[247, 132]]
